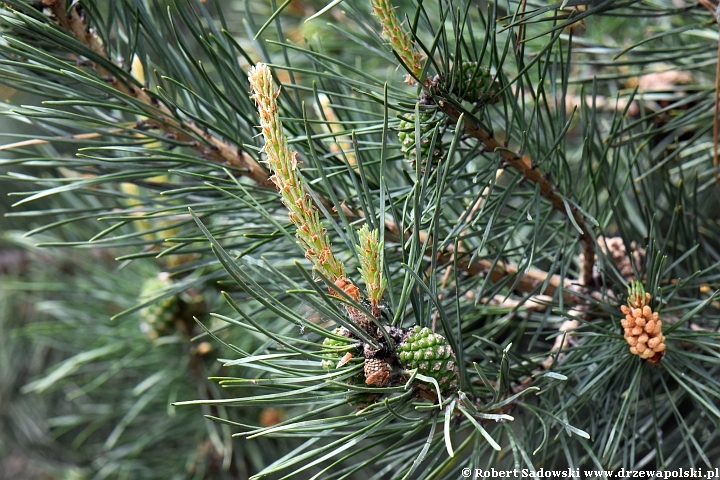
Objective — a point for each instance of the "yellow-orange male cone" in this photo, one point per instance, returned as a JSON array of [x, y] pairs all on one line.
[[643, 328]]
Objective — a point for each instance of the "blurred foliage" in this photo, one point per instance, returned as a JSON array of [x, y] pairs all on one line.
[[88, 397]]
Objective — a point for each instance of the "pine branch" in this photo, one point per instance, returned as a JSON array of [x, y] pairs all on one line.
[[162, 118], [529, 281], [528, 170], [590, 384]]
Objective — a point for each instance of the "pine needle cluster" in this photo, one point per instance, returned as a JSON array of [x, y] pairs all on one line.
[[496, 176]]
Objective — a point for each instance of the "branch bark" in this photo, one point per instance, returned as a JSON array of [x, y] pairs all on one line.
[[73, 22]]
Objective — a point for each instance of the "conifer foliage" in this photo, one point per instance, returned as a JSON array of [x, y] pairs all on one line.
[[366, 238]]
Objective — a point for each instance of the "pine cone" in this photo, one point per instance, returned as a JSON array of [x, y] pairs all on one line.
[[431, 355], [474, 83], [158, 319], [377, 372], [614, 247], [406, 135], [336, 350], [643, 328]]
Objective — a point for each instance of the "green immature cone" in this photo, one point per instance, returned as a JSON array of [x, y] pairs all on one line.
[[407, 134], [335, 350], [431, 355], [286, 177], [158, 319], [336, 355], [398, 38], [370, 252], [377, 372], [475, 83]]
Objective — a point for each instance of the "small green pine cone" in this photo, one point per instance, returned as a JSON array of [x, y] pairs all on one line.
[[473, 82], [159, 318], [335, 350], [406, 135], [431, 355]]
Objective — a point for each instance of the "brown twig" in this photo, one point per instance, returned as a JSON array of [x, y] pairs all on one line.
[[73, 22], [713, 9], [521, 28], [716, 120], [709, 6], [529, 281], [528, 170]]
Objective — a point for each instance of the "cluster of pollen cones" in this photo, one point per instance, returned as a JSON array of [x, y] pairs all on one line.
[[643, 329]]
